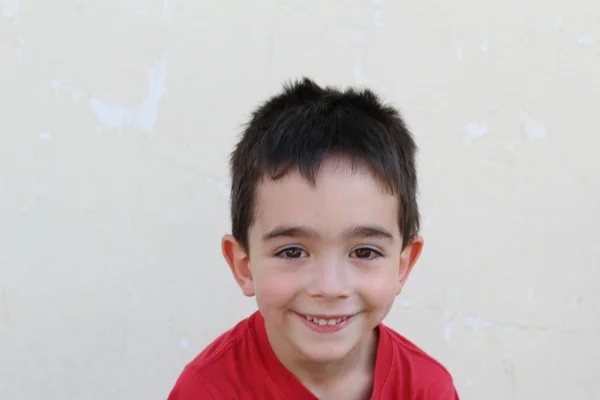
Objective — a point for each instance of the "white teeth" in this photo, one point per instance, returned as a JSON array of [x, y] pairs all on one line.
[[323, 321]]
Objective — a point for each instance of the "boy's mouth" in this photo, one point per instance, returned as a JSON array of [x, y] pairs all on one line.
[[326, 321]]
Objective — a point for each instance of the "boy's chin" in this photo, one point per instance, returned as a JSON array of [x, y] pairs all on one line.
[[326, 352]]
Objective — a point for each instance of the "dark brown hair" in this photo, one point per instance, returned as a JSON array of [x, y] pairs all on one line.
[[303, 125]]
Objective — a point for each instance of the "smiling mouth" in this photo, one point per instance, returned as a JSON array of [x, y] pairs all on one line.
[[326, 320]]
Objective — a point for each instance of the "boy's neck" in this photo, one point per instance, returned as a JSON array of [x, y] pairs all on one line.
[[352, 375]]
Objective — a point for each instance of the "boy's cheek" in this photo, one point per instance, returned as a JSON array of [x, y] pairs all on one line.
[[273, 288], [379, 290]]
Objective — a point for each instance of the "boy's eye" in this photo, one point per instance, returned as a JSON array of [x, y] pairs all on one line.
[[292, 252], [366, 253]]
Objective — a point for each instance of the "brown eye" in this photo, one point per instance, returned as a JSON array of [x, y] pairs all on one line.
[[366, 253], [292, 252]]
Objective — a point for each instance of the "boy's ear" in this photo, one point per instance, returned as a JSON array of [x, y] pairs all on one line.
[[408, 258], [239, 263]]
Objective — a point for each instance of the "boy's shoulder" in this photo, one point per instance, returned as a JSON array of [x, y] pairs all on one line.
[[223, 352], [225, 366], [411, 350], [222, 346], [402, 366]]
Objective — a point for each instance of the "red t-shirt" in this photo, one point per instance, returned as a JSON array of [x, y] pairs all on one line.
[[241, 365]]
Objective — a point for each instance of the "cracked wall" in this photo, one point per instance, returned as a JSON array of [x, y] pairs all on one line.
[[116, 121]]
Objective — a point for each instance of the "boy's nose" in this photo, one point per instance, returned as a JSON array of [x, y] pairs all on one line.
[[330, 279]]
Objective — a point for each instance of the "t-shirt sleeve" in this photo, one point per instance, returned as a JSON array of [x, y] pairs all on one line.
[[190, 386], [451, 394], [439, 385], [444, 390]]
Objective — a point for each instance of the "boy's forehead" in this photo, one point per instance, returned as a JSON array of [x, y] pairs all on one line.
[[338, 190]]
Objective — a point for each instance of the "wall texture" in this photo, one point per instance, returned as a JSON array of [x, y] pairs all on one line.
[[116, 120]]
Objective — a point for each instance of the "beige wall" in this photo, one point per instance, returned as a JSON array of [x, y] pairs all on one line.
[[116, 120]]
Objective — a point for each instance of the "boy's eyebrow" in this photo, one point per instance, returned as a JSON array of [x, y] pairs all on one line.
[[368, 231], [290, 232], [359, 231]]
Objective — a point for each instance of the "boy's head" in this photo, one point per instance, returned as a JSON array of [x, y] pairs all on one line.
[[325, 216]]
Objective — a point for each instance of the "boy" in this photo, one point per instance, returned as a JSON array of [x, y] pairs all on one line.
[[325, 233]]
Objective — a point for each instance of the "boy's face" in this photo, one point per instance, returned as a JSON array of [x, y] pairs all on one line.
[[325, 262]]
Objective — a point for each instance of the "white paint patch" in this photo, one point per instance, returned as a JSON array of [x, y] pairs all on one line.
[[532, 128], [359, 74], [469, 382], [76, 94], [478, 323], [20, 42], [166, 11], [111, 115], [57, 85], [147, 112], [224, 187], [11, 9], [587, 40], [184, 344], [37, 189], [377, 17], [45, 135], [475, 130], [448, 331], [530, 293], [190, 146], [459, 53], [141, 117], [559, 19], [485, 46], [133, 294]]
